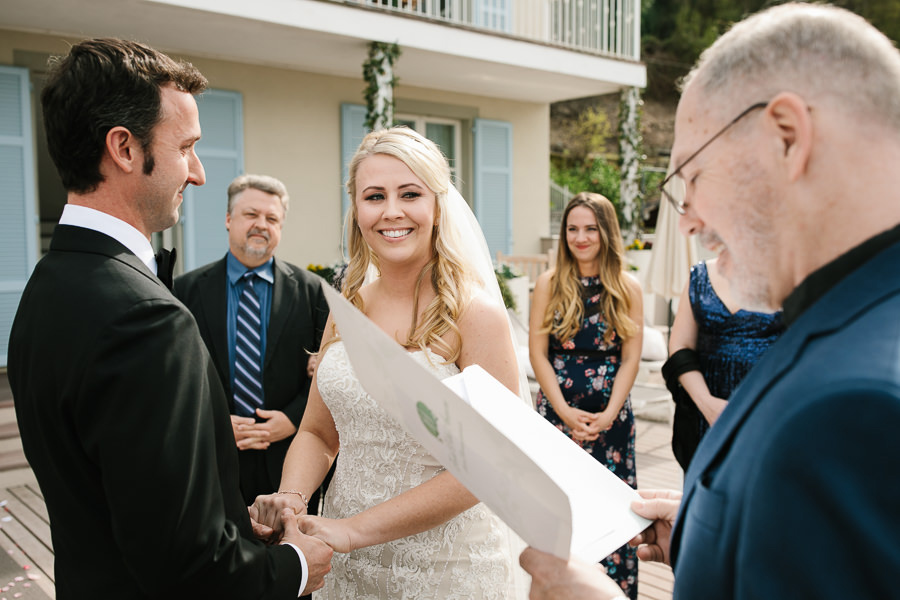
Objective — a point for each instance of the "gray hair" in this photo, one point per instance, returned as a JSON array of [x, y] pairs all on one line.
[[816, 51], [263, 183]]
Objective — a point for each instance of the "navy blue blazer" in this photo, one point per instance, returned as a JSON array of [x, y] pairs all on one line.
[[795, 493]]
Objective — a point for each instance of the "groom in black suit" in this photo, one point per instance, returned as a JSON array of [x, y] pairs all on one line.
[[292, 318], [122, 416]]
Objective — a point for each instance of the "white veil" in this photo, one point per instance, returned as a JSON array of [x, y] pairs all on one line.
[[461, 224], [473, 249]]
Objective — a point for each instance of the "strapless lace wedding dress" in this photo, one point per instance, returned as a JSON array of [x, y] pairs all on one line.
[[469, 556]]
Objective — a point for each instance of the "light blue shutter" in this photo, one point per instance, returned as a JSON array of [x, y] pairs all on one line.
[[221, 150], [18, 220], [353, 130], [493, 183]]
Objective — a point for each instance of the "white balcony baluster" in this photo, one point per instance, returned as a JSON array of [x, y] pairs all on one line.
[[606, 27]]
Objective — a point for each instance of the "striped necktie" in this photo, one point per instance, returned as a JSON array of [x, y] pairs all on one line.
[[248, 391]]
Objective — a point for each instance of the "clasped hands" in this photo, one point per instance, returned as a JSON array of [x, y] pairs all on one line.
[[252, 435], [265, 515], [586, 426], [282, 518]]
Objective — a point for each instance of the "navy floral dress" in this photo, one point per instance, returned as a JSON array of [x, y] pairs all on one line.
[[586, 367]]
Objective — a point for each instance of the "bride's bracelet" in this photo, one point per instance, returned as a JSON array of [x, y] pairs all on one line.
[[301, 494]]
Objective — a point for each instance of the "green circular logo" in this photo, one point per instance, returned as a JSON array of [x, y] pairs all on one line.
[[428, 418]]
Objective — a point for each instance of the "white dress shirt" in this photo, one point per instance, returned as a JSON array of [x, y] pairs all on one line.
[[119, 230]]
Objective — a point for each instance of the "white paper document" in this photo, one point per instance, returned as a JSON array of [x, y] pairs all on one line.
[[548, 490]]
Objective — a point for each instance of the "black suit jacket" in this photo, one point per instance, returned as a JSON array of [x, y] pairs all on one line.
[[126, 427], [296, 322]]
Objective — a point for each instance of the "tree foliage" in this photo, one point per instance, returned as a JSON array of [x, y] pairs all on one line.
[[594, 174], [590, 133], [675, 32]]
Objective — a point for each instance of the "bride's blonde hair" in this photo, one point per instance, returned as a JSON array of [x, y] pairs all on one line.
[[445, 271]]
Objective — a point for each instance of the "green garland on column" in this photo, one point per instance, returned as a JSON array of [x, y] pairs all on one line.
[[630, 156], [378, 72]]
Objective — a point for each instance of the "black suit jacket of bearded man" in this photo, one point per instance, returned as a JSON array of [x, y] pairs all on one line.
[[296, 322]]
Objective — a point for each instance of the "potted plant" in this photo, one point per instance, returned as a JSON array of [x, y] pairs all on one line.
[[515, 289]]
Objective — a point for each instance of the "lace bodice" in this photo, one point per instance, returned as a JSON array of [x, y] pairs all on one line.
[[469, 556]]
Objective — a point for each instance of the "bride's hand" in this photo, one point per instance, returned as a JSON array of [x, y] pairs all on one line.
[[265, 514], [334, 532]]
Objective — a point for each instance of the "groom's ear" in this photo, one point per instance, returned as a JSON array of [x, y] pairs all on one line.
[[121, 151]]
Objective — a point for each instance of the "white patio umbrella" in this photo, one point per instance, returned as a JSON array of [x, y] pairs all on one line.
[[671, 257]]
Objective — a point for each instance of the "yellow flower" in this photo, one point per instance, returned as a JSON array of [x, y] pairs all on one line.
[[636, 245]]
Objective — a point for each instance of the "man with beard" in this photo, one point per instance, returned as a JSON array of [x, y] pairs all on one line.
[[260, 318], [786, 140]]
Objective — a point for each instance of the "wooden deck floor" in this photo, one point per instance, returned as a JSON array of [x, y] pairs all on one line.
[[25, 526], [25, 530], [656, 469]]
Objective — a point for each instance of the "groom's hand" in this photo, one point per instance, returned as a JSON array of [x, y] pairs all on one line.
[[265, 514], [262, 532], [317, 553]]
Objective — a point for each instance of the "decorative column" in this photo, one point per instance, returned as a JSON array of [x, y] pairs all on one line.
[[630, 157], [378, 71]]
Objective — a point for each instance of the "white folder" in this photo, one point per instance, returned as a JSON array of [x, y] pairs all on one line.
[[552, 493]]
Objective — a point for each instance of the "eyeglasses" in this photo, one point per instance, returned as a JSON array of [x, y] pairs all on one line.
[[673, 187]]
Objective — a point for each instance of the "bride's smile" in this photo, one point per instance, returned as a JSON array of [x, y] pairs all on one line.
[[395, 209]]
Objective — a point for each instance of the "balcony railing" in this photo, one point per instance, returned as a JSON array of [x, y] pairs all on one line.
[[603, 27]]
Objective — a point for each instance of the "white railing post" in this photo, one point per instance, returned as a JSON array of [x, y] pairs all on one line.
[[636, 44], [604, 44]]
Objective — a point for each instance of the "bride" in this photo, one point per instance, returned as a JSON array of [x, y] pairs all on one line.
[[400, 524]]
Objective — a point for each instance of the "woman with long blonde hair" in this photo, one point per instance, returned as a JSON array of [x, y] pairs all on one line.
[[585, 338], [400, 525]]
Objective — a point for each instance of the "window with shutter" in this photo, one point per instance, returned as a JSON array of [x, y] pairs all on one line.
[[18, 216], [221, 150], [493, 183]]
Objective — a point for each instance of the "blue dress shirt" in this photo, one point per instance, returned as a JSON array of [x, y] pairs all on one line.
[[263, 288]]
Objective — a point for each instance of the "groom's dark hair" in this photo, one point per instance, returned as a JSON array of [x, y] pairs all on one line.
[[101, 84]]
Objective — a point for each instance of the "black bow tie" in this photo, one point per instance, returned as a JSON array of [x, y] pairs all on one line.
[[165, 265]]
